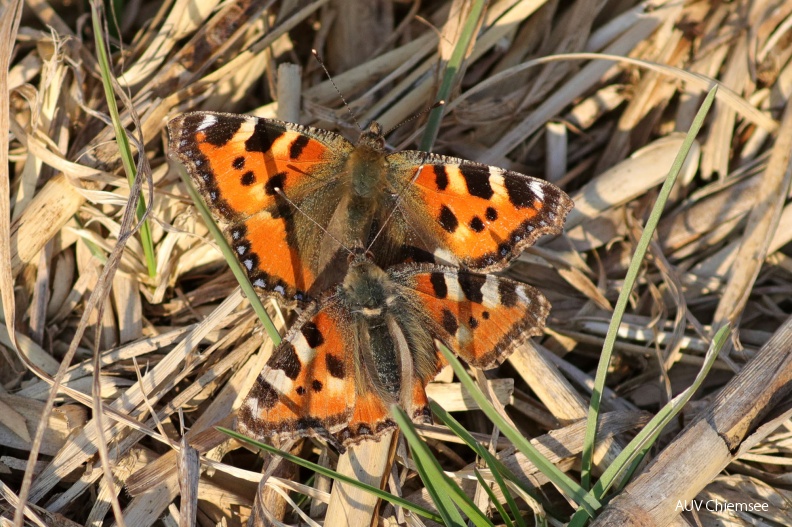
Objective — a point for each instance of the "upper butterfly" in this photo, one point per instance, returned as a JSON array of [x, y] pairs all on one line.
[[293, 194]]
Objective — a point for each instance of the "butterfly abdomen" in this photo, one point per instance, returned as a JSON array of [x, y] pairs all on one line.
[[384, 358]]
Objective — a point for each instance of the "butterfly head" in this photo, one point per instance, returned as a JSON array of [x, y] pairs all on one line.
[[367, 289], [359, 255], [373, 137]]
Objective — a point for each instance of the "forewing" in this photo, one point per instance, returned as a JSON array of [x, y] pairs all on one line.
[[471, 214], [237, 161], [244, 166]]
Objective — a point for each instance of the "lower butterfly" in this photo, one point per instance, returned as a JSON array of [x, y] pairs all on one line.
[[372, 341]]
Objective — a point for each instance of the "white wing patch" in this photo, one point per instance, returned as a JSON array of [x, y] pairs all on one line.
[[536, 187], [304, 351], [489, 291], [209, 121]]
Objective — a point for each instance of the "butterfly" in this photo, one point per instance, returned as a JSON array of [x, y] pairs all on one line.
[[294, 196], [371, 341]]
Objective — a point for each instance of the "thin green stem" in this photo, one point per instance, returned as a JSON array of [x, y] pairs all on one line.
[[452, 69], [232, 261], [629, 281], [125, 150], [319, 469]]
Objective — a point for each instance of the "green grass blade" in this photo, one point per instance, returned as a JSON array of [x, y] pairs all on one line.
[[646, 438], [231, 259], [494, 499], [564, 483], [319, 469], [444, 491], [124, 148], [633, 453], [629, 281], [656, 425], [452, 70], [499, 470], [498, 477]]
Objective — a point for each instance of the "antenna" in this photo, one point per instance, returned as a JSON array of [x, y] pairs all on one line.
[[321, 63], [395, 206], [438, 104], [298, 209]]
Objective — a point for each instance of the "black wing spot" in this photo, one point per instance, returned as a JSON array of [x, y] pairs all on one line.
[[448, 220], [519, 191], [384, 425], [476, 224], [343, 435], [297, 146], [248, 178], [441, 176], [241, 248], [473, 322], [450, 323], [222, 131], [286, 359], [264, 280], [189, 126], [250, 261], [300, 390], [335, 366], [316, 386], [262, 138], [485, 315], [276, 181], [491, 214], [310, 423], [439, 284], [238, 163], [477, 179], [471, 285], [312, 335]]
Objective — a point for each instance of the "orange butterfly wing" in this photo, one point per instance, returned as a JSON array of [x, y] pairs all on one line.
[[470, 214], [321, 381], [483, 318], [308, 384], [241, 165], [311, 387]]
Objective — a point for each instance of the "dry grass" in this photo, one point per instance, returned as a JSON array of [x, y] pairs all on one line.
[[177, 349]]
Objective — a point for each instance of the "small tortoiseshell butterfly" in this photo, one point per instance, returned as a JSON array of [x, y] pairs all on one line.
[[370, 342], [293, 195]]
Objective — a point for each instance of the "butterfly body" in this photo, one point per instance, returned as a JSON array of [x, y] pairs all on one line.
[[294, 195], [367, 167], [372, 341], [365, 194]]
